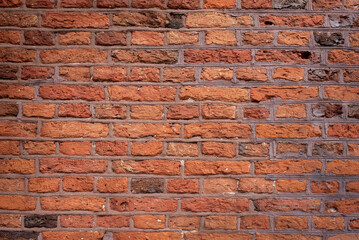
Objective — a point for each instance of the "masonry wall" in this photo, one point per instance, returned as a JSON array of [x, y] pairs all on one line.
[[179, 119]]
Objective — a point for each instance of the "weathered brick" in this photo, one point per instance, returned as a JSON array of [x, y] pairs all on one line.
[[321, 75], [147, 38], [65, 92], [73, 203], [144, 74], [150, 148], [147, 185], [39, 38], [39, 147], [285, 93], [252, 74], [288, 131], [10, 221], [36, 73], [208, 236], [8, 36], [178, 75], [343, 130], [254, 150], [77, 184], [342, 206], [8, 72], [267, 236], [218, 111], [146, 112], [183, 4], [142, 56], [292, 20], [289, 73], [291, 111], [9, 148], [291, 4], [327, 149], [147, 235], [143, 204], [74, 110], [182, 149], [340, 167], [177, 37], [112, 185], [72, 235], [76, 221], [184, 222], [211, 74], [342, 93], [217, 130], [353, 149], [111, 38], [325, 187], [345, 57], [287, 205], [75, 20], [11, 185], [256, 4], [75, 38], [76, 3], [44, 185], [293, 186], [138, 130], [291, 222], [327, 110], [81, 74], [182, 186], [255, 222], [219, 4], [292, 148], [182, 112], [16, 129], [257, 38], [221, 37], [149, 221], [219, 185], [157, 167], [293, 38], [256, 113], [328, 39], [41, 3], [256, 185], [224, 94], [110, 111], [41, 221], [39, 110], [10, 3], [287, 56], [18, 19], [327, 5], [73, 129], [141, 19], [109, 74], [112, 3], [16, 55], [219, 149]]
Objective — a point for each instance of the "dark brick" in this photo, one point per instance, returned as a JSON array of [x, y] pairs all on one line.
[[294, 4], [39, 38], [327, 110], [328, 39], [12, 235], [8, 72], [143, 19], [150, 185], [8, 109], [353, 111], [321, 75], [41, 221], [341, 20], [327, 149], [175, 21], [351, 75]]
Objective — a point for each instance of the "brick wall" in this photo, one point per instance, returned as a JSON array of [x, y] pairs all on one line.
[[179, 119]]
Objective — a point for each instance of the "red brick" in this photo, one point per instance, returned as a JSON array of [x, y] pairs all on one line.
[[291, 111], [138, 130], [218, 111], [111, 38], [111, 148], [149, 221], [73, 203], [255, 222], [252, 74], [179, 38], [254, 150], [81, 74], [16, 129], [16, 55], [18, 19], [327, 4], [11, 185], [75, 20], [39, 38], [209, 236], [220, 222], [257, 185], [8, 72], [17, 166], [291, 148], [143, 204], [74, 110], [183, 4], [77, 184], [219, 4], [36, 73], [8, 36], [257, 4], [112, 3], [147, 38], [142, 56], [110, 111], [344, 130], [182, 149], [154, 112], [39, 110], [75, 38], [257, 38], [78, 55], [44, 185], [141, 19], [39, 147], [285, 93], [182, 186], [113, 221], [287, 205], [74, 129], [184, 223], [217, 130], [288, 131], [352, 186], [218, 55], [76, 3], [219, 185], [144, 74], [292, 20], [148, 4], [65, 92], [76, 221], [214, 94], [112, 185], [41, 3], [65, 165], [264, 236], [212, 74], [16, 91], [72, 235], [291, 222], [345, 57], [182, 112], [147, 235], [289, 73], [327, 148], [342, 93], [287, 56], [288, 166], [342, 206], [219, 149], [354, 224], [328, 223], [196, 167], [340, 167], [144, 93], [221, 37], [256, 113], [158, 167], [11, 3], [178, 75], [150, 148], [216, 20], [294, 38], [9, 148], [10, 221], [354, 39], [21, 203], [220, 205], [293, 186]]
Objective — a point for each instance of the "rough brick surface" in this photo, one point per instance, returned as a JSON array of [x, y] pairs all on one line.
[[179, 119]]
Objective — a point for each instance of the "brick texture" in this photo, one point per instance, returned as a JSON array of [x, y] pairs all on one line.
[[179, 119]]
